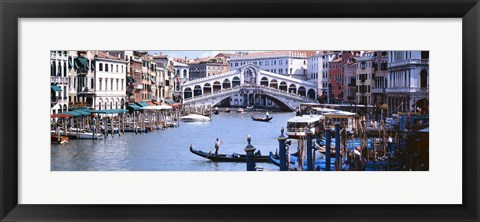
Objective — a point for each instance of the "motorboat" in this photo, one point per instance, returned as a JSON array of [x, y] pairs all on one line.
[[195, 118], [297, 125]]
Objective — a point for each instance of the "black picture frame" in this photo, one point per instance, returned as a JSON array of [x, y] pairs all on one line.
[[12, 10]]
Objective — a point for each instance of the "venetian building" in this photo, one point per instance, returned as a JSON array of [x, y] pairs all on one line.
[[81, 71], [289, 63], [327, 57], [182, 74], [58, 82], [407, 81], [134, 76], [380, 78], [315, 69], [365, 73], [110, 81]]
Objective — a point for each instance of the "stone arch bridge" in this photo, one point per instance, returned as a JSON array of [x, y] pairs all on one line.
[[254, 84]]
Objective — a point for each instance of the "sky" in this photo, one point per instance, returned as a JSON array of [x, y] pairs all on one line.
[[188, 53]]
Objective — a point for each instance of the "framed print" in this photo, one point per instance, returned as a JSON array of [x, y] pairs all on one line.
[[239, 110]]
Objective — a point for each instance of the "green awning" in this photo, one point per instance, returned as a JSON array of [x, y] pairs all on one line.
[[55, 88], [109, 111], [70, 65], [153, 80], [142, 104], [77, 113], [133, 107], [130, 79], [81, 62]]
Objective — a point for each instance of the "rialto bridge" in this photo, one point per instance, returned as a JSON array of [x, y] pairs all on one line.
[[249, 86]]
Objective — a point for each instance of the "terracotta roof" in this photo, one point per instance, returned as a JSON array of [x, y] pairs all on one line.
[[337, 60], [103, 54], [160, 57]]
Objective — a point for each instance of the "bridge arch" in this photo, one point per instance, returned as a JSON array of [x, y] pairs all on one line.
[[187, 93], [217, 86], [197, 90], [283, 86], [264, 81], [226, 84], [302, 91], [274, 83], [235, 81], [311, 94], [207, 88], [292, 89]]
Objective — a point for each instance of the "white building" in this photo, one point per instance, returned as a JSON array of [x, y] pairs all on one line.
[[315, 69], [407, 81], [58, 82], [81, 79], [182, 74], [289, 63], [110, 81]]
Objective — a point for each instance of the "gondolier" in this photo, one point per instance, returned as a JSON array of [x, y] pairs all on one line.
[[218, 142]]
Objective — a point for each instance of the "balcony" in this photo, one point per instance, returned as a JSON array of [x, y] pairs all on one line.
[[84, 90], [378, 90], [408, 62]]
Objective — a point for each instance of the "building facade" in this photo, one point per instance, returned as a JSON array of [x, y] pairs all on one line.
[[207, 67], [365, 71], [408, 81], [110, 81], [325, 90], [59, 61], [315, 69], [380, 81], [81, 70], [289, 63]]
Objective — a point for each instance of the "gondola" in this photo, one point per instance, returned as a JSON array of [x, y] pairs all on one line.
[[262, 118], [235, 157]]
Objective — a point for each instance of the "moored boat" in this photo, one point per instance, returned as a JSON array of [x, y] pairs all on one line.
[[234, 157], [227, 110], [56, 139], [297, 125], [240, 110]]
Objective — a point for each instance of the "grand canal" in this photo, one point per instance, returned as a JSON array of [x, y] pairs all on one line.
[[168, 150]]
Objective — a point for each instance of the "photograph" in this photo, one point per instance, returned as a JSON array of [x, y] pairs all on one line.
[[244, 110]]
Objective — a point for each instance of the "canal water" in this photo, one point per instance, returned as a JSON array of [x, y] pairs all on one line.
[[168, 150]]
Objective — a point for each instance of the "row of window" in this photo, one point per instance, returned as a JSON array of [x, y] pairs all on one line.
[[100, 85], [104, 67], [267, 62]]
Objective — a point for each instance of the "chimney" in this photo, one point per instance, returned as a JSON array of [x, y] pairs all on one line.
[[107, 53]]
